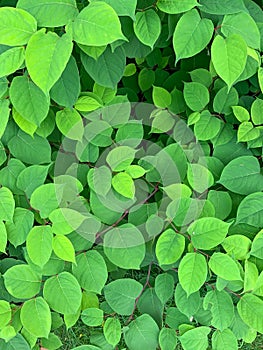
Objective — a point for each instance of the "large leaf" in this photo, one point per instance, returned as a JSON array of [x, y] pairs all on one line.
[[47, 55], [192, 34], [176, 6], [16, 26], [121, 295], [44, 10], [63, 293], [250, 309], [250, 210], [147, 27], [229, 57], [97, 25], [242, 175], [222, 7], [192, 272]]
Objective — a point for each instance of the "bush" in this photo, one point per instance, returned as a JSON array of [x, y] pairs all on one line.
[[131, 173]]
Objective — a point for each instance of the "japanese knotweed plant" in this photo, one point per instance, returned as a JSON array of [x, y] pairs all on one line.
[[131, 194]]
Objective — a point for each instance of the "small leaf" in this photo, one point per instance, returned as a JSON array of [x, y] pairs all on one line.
[[224, 340], [161, 97], [11, 60], [147, 27], [247, 132], [167, 339], [39, 244], [112, 331], [92, 317], [196, 96], [7, 204], [123, 184], [250, 309], [5, 313], [195, 339], [69, 122], [63, 248], [257, 112], [169, 247], [250, 210], [176, 6]]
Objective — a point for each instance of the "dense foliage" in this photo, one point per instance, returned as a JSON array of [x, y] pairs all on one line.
[[131, 173]]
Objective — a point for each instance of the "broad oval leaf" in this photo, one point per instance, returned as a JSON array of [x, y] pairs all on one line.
[[112, 330], [176, 6], [250, 210], [7, 204], [224, 266], [147, 27], [11, 60], [196, 96], [63, 248], [39, 244], [169, 247], [250, 309]]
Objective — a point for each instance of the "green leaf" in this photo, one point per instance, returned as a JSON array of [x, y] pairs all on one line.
[[176, 6], [247, 132], [207, 126], [163, 121], [123, 184], [250, 309], [169, 247], [241, 113], [98, 133], [195, 339], [257, 111], [92, 317], [44, 10], [225, 267], [164, 287], [192, 272], [229, 57], [142, 333], [66, 90], [11, 60], [24, 124], [121, 295], [7, 204], [90, 271], [65, 220], [5, 313], [199, 177], [47, 55], [167, 339], [108, 69], [28, 100], [192, 34], [120, 158], [53, 342], [257, 245], [221, 306], [237, 246], [5, 111], [243, 24], [30, 150], [147, 27], [207, 233], [122, 7], [250, 210], [196, 96], [88, 102], [97, 25], [46, 198], [135, 171], [99, 180], [154, 225], [69, 122], [124, 246], [39, 244], [188, 305], [63, 248], [224, 100], [146, 79], [112, 330], [222, 7], [161, 97], [18, 230], [22, 282], [17, 26], [32, 177], [62, 292], [250, 276], [242, 175], [36, 317], [224, 340]]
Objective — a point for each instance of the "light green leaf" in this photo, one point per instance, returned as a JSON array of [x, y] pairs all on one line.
[[5, 313], [22, 282], [199, 177], [229, 57], [163, 121], [237, 246], [120, 158], [241, 113], [247, 132], [123, 184], [224, 340], [5, 111], [52, 342], [88, 102], [176, 6], [257, 245], [257, 112], [250, 309], [154, 225], [192, 272], [3, 237], [164, 286], [250, 276], [97, 25], [169, 247], [65, 220], [39, 244], [224, 100], [221, 306], [28, 100], [147, 27], [250, 210], [7, 204], [91, 271], [98, 133], [63, 248], [24, 124], [69, 122], [47, 55], [11, 60], [44, 11], [225, 267], [121, 295], [112, 331], [188, 305], [62, 292], [99, 180], [242, 175], [167, 339], [222, 7], [161, 97], [17, 26], [92, 317], [122, 7], [207, 233], [142, 333], [32, 177], [192, 34], [260, 78], [196, 96], [222, 203], [195, 339], [36, 317], [176, 191], [243, 24], [124, 246], [135, 171], [207, 126]]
